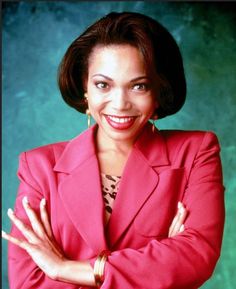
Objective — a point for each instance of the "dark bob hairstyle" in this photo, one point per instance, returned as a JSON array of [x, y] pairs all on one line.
[[159, 49]]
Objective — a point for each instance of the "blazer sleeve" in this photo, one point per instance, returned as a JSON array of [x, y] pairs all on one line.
[[23, 272], [188, 259]]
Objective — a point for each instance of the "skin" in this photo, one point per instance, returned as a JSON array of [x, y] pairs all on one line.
[[128, 93]]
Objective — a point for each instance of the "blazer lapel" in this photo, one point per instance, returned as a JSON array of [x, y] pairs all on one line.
[[80, 189], [132, 194], [139, 180]]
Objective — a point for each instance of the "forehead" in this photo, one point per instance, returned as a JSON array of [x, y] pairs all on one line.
[[116, 58]]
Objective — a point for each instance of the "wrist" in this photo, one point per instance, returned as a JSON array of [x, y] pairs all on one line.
[[75, 272], [61, 269]]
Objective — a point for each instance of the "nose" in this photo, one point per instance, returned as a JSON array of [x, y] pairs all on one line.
[[120, 100]]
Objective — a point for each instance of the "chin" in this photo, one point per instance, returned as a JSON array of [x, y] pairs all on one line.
[[122, 135]]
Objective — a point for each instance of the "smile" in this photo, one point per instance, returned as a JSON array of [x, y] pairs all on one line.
[[120, 119], [120, 122]]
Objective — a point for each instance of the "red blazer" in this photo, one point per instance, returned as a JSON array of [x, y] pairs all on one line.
[[163, 168]]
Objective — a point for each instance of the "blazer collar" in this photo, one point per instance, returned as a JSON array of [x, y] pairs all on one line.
[[77, 151], [151, 145]]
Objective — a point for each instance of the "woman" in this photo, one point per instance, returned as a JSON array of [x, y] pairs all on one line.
[[122, 205]]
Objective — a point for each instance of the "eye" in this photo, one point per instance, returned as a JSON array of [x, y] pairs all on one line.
[[140, 87], [101, 85]]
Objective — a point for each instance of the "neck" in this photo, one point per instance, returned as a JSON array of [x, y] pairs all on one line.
[[106, 144]]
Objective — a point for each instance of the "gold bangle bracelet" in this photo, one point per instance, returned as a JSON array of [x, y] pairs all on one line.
[[99, 267]]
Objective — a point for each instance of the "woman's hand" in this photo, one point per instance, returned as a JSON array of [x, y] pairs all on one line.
[[177, 225], [39, 241]]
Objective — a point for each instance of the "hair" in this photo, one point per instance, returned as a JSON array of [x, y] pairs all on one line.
[[157, 46]]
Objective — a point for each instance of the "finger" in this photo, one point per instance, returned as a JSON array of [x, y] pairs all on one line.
[[179, 221], [33, 218], [175, 219], [173, 224], [181, 230], [44, 218], [25, 230], [47, 227], [18, 242]]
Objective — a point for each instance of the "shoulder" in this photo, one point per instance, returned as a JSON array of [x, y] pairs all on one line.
[[189, 145], [49, 153], [190, 138], [61, 155], [36, 165]]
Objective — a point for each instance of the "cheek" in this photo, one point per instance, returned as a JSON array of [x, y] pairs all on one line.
[[147, 105], [96, 104], [95, 99]]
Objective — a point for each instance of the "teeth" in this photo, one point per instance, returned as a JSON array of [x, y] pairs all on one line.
[[120, 119]]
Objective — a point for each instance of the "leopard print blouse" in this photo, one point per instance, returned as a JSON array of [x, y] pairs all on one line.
[[110, 186]]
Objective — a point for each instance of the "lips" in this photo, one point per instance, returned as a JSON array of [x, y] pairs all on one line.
[[120, 122]]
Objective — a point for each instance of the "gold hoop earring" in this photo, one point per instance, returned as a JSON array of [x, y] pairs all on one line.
[[153, 125], [89, 117], [87, 110], [155, 117]]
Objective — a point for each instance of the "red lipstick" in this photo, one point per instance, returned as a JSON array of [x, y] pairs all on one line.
[[120, 122]]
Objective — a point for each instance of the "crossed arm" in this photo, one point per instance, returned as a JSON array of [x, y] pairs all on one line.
[[40, 244]]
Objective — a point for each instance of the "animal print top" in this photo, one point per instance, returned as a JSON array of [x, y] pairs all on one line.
[[110, 186]]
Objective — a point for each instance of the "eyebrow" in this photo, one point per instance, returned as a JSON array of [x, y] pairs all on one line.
[[132, 80]]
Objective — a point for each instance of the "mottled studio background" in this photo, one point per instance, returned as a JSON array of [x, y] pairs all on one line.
[[35, 37]]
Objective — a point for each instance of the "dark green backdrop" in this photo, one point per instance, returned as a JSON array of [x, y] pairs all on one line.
[[35, 37]]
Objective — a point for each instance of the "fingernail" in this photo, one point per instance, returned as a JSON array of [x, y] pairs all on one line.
[[25, 200], [179, 205], [10, 212], [43, 202], [4, 233], [182, 228], [182, 210]]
